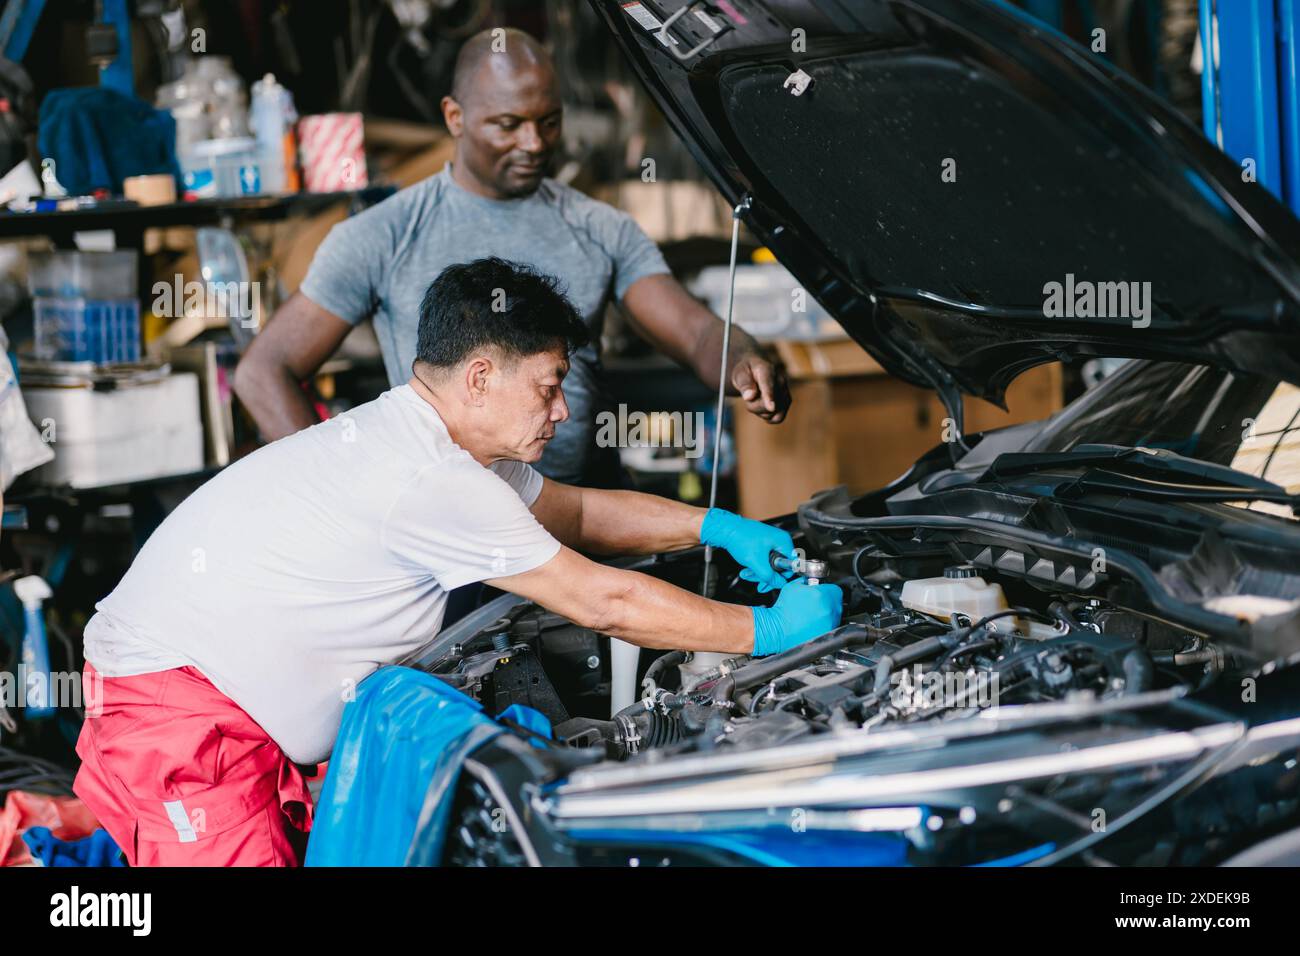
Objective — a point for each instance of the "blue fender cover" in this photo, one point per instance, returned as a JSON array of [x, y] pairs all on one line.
[[400, 748]]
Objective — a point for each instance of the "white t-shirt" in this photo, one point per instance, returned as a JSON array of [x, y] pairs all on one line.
[[302, 568]]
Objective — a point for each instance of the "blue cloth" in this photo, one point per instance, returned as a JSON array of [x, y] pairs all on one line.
[[98, 849], [98, 137], [393, 772]]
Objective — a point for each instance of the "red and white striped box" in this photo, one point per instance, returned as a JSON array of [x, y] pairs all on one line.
[[333, 152]]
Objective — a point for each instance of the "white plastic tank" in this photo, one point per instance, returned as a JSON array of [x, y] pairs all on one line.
[[624, 658], [961, 590]]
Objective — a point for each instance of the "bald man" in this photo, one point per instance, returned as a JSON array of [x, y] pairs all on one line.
[[494, 199]]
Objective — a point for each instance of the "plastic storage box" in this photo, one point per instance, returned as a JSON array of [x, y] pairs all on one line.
[[221, 167], [767, 296], [85, 306], [127, 434]]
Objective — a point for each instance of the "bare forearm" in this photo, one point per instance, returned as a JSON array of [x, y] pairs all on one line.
[[684, 329], [651, 613], [295, 343], [706, 357], [632, 606], [274, 399], [630, 522], [680, 326]]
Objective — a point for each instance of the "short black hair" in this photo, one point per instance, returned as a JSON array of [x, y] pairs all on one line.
[[492, 302]]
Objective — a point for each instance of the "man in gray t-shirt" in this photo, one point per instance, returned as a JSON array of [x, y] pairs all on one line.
[[494, 200], [380, 261]]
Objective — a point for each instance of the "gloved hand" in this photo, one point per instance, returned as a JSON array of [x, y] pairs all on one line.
[[801, 612], [750, 543]]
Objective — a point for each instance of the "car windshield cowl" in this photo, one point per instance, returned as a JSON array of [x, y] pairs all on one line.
[[1178, 423], [1096, 481], [1162, 468]]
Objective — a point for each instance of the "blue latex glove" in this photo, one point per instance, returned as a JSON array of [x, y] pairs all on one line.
[[750, 543], [801, 612]]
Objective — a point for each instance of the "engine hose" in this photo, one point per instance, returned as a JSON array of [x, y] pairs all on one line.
[[662, 701], [715, 728], [660, 730], [918, 651], [960, 649], [661, 664], [1139, 671], [647, 730], [888, 599], [1206, 655], [1062, 612], [757, 699], [760, 672], [908, 655]]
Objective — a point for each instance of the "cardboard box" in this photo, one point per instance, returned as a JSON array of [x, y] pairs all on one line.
[[673, 210], [851, 423]]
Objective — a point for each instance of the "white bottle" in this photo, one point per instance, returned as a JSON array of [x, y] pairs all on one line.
[[270, 116]]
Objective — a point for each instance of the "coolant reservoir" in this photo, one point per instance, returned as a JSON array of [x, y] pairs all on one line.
[[961, 590]]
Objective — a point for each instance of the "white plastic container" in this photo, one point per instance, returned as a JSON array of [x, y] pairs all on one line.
[[624, 658], [221, 168], [962, 591], [68, 274], [767, 297], [112, 437]]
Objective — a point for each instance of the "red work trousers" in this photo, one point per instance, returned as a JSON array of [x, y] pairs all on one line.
[[179, 775]]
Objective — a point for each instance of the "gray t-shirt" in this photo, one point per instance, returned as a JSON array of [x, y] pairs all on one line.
[[380, 262]]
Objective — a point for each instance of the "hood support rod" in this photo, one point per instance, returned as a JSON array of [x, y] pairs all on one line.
[[741, 207]]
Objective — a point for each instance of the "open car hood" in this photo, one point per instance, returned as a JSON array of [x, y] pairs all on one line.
[[929, 168]]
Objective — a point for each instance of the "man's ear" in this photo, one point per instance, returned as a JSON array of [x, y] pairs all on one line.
[[478, 372], [453, 116]]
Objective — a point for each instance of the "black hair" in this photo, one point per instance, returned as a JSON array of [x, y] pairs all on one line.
[[492, 302]]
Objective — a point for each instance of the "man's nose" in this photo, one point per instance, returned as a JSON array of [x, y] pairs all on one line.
[[529, 139], [560, 410]]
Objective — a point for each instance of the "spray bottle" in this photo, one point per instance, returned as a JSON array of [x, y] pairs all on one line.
[[32, 591]]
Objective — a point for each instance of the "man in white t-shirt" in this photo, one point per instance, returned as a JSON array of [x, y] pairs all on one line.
[[228, 650]]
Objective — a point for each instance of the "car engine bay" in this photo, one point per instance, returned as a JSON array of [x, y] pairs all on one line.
[[925, 637]]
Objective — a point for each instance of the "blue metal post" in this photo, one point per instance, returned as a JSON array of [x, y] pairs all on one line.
[[17, 24], [119, 74], [1242, 102], [1288, 17], [1209, 74]]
